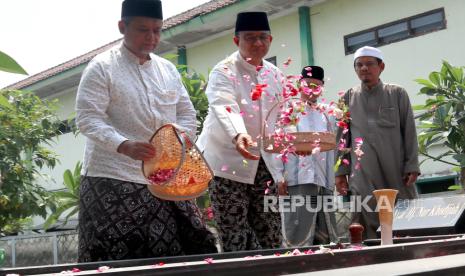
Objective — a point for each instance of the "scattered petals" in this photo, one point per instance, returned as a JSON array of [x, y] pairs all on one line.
[[325, 250], [308, 252], [316, 150], [287, 62], [257, 91], [296, 252], [103, 268]]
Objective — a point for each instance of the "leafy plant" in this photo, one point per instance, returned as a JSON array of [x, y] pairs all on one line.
[[66, 200], [204, 204], [7, 64], [2, 256], [443, 123], [27, 125], [195, 84]]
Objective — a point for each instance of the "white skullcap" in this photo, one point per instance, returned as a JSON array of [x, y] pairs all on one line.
[[368, 51]]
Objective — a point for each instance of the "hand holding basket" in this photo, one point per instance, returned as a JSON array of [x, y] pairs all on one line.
[[178, 170]]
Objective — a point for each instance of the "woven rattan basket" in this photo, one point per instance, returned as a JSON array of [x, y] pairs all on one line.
[[303, 142], [178, 171]]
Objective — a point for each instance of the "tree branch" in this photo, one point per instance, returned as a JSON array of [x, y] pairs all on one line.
[[437, 159]]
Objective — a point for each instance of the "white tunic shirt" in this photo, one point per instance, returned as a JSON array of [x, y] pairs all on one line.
[[316, 168], [118, 99], [232, 111]]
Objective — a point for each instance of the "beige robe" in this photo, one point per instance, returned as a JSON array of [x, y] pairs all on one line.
[[383, 117]]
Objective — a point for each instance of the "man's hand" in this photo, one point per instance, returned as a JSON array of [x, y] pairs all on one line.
[[282, 188], [137, 150], [341, 184], [244, 141], [410, 178]]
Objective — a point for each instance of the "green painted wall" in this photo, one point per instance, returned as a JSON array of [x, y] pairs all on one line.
[[305, 30]]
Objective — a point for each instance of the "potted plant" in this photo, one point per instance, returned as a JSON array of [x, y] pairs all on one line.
[[443, 121]]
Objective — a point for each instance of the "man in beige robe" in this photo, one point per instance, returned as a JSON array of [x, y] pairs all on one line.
[[382, 116]]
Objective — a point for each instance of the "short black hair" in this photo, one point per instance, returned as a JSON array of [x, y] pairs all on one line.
[[127, 20]]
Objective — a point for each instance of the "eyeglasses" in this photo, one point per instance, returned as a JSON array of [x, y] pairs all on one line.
[[369, 64], [253, 38]]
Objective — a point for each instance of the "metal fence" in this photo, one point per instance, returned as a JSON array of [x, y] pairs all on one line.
[[40, 249]]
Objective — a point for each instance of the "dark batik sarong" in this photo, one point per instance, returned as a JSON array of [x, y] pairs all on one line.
[[123, 220], [239, 212]]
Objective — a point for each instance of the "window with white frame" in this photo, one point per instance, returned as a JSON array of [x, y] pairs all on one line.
[[397, 30]]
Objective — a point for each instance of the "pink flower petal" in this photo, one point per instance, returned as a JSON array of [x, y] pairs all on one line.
[[296, 252], [103, 268]]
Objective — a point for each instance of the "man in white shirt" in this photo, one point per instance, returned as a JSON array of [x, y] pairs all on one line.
[[309, 178], [125, 94], [241, 90]]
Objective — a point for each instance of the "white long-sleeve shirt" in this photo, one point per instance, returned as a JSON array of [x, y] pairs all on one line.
[[316, 168], [232, 111], [118, 99]]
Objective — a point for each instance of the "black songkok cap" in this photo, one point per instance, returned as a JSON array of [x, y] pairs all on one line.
[[145, 8], [315, 72], [252, 21]]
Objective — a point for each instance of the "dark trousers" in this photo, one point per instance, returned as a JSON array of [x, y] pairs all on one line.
[[239, 212], [123, 220]]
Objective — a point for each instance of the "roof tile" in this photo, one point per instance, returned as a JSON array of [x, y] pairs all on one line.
[[168, 23]]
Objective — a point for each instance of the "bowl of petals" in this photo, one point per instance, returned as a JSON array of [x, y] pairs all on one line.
[[178, 170]]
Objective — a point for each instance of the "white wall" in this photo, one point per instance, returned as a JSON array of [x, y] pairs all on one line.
[[68, 147]]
